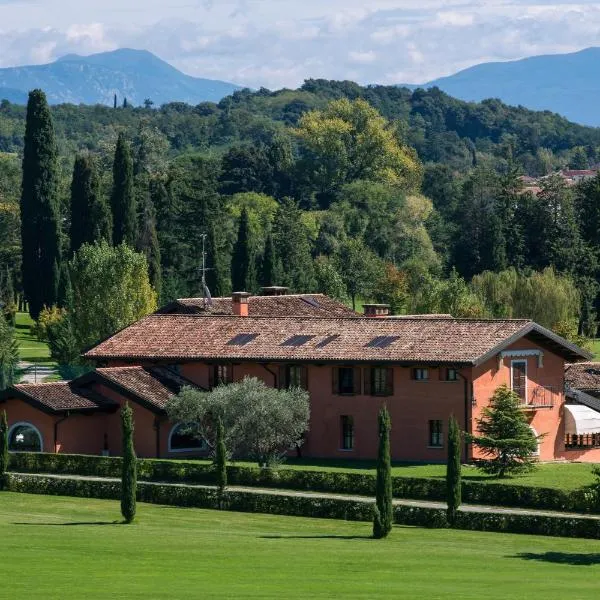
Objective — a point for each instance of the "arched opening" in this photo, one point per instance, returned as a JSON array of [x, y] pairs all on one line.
[[184, 437], [24, 437], [537, 452]]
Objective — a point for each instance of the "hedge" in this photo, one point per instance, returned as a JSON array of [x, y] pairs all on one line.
[[305, 506], [361, 484]]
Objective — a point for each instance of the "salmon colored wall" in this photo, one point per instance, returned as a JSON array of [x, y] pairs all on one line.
[[18, 411], [487, 378]]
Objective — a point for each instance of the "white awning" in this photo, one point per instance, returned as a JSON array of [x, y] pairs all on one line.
[[580, 419]]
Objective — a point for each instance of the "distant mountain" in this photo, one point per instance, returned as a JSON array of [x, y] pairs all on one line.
[[14, 96], [132, 74], [568, 84]]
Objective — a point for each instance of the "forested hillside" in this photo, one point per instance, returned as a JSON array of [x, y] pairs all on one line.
[[378, 193]]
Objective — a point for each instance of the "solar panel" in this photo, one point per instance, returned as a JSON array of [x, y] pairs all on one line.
[[310, 300], [327, 340], [241, 339], [382, 341], [298, 340]]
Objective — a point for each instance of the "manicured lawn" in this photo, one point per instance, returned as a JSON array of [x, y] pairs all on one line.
[[595, 348], [66, 548], [30, 348]]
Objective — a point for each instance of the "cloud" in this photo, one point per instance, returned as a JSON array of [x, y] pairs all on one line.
[[276, 43]]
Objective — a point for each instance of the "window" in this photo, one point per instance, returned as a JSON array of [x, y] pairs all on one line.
[[450, 374], [24, 437], [420, 374], [298, 340], [241, 339], [293, 376], [221, 374], [379, 381], [184, 437], [327, 341], [519, 378], [347, 432], [382, 341], [346, 381], [436, 435]]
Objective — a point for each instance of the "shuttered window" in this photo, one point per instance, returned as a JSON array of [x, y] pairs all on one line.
[[346, 381], [293, 376], [220, 374], [379, 381]]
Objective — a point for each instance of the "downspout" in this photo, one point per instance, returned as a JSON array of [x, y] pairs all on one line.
[[467, 428], [157, 430], [266, 368], [56, 424]]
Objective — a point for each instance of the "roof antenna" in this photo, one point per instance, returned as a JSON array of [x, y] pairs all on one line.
[[208, 301]]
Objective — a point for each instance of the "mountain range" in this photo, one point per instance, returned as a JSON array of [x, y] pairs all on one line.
[[132, 74], [568, 84]]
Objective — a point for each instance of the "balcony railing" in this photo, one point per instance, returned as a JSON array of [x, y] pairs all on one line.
[[541, 396], [583, 440]]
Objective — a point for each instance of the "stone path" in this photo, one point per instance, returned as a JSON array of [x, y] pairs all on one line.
[[472, 508], [35, 373]]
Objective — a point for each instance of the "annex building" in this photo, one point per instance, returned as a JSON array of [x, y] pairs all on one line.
[[424, 368]]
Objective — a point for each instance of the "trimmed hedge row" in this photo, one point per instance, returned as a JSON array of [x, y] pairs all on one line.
[[318, 481], [305, 506]]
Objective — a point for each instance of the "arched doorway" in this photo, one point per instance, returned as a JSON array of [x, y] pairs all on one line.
[[25, 437]]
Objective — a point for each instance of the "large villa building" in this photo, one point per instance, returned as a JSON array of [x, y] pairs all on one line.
[[424, 368]]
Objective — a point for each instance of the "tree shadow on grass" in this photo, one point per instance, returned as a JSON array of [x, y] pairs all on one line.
[[316, 537], [561, 558], [75, 523]]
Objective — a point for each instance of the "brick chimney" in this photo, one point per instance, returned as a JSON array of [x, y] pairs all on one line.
[[376, 310], [274, 290], [239, 302]]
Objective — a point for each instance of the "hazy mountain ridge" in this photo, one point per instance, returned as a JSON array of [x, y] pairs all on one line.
[[568, 84], [95, 79]]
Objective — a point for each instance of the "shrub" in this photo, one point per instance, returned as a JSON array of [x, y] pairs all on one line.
[[383, 515], [453, 474], [129, 466]]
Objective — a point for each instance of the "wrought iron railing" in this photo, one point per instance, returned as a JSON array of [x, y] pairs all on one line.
[[542, 396], [582, 440]]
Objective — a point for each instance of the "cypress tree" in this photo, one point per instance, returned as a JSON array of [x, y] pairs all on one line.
[[64, 286], [384, 511], [3, 446], [216, 278], [129, 473], [149, 246], [40, 211], [123, 198], [115, 101], [453, 475], [243, 269], [220, 462], [91, 220], [271, 265]]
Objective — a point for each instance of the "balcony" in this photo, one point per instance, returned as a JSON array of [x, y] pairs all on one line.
[[541, 396]]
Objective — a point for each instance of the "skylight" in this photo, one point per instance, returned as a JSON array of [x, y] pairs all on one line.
[[298, 340], [327, 340], [382, 341], [241, 339], [310, 300]]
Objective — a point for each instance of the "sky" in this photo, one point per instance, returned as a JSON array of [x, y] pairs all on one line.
[[280, 43]]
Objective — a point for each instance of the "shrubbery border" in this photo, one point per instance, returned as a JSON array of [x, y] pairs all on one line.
[[582, 501]]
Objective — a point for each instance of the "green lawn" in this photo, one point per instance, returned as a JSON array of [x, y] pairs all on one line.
[[62, 548], [30, 348], [595, 348]]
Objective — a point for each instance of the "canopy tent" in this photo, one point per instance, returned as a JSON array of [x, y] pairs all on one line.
[[581, 419]]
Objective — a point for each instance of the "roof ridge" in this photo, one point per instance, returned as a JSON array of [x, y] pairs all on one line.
[[261, 296]]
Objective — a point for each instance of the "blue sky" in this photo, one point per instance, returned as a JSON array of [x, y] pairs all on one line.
[[276, 43]]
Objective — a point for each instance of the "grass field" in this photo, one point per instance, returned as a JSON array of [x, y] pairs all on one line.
[[63, 548], [30, 348]]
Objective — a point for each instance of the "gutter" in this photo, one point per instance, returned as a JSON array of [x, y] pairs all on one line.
[[467, 420]]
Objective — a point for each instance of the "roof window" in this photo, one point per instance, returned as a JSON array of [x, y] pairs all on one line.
[[382, 341], [298, 340], [327, 340], [241, 339]]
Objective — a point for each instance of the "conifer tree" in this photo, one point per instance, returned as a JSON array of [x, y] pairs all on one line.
[[453, 474], [115, 101], [271, 265], [216, 277], [91, 220], [3, 446], [220, 462], [123, 197], [384, 511], [505, 438], [243, 266], [40, 211], [129, 473], [149, 246], [64, 286]]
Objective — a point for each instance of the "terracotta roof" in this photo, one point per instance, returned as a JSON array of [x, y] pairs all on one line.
[[60, 396], [153, 386], [315, 305], [583, 376], [198, 337]]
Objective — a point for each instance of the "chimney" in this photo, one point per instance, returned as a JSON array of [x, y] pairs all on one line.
[[376, 310], [274, 290], [239, 301]]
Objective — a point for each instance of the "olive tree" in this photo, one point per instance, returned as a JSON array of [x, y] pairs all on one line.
[[259, 422]]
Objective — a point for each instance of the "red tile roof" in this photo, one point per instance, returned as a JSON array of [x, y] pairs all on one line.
[[310, 305], [583, 376], [58, 396], [197, 337]]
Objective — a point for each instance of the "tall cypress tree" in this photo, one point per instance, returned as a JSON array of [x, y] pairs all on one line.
[[91, 220], [129, 472], [453, 475], [384, 510], [148, 244], [3, 446], [40, 211], [220, 462], [216, 277], [123, 197], [243, 268], [271, 265]]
